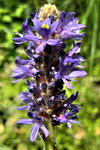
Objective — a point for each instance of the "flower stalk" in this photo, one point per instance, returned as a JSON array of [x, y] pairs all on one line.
[[50, 142]]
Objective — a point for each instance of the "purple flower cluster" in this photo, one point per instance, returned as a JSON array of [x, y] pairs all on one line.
[[49, 68]]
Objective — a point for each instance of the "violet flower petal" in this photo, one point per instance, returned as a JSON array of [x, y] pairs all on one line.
[[53, 27], [67, 83], [26, 97], [77, 74], [30, 115], [34, 132], [41, 47], [22, 108], [69, 125], [31, 38], [25, 27], [19, 40], [17, 80], [71, 99], [46, 132], [67, 20], [62, 119], [67, 34], [75, 122], [25, 121], [79, 66], [74, 49], [52, 42]]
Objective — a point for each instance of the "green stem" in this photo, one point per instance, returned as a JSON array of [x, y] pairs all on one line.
[[46, 145], [50, 141]]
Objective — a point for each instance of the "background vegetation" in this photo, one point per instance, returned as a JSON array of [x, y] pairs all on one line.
[[16, 137]]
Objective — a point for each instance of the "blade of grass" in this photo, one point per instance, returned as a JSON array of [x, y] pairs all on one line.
[[94, 36], [89, 10]]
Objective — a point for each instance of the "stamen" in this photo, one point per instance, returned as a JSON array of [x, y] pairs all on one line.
[[66, 16], [52, 79], [47, 27], [67, 64], [43, 94], [44, 26], [19, 34], [49, 111], [40, 37]]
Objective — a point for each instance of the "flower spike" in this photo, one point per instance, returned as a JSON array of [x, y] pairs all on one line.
[[49, 68]]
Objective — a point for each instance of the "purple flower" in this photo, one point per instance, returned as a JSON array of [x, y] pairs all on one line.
[[27, 31], [37, 121], [22, 71], [71, 35], [68, 26], [67, 67], [67, 104], [69, 118], [45, 29], [65, 107], [26, 97]]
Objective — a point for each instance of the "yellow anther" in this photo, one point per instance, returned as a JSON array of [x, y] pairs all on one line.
[[47, 27], [42, 94], [71, 113], [42, 66], [69, 64], [49, 111], [17, 33], [37, 34], [66, 64], [48, 92], [33, 115], [77, 21], [52, 79], [43, 26], [33, 78], [66, 16], [57, 19], [40, 37], [63, 19], [41, 19]]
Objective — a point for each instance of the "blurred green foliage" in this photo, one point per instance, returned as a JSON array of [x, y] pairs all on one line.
[[16, 137]]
